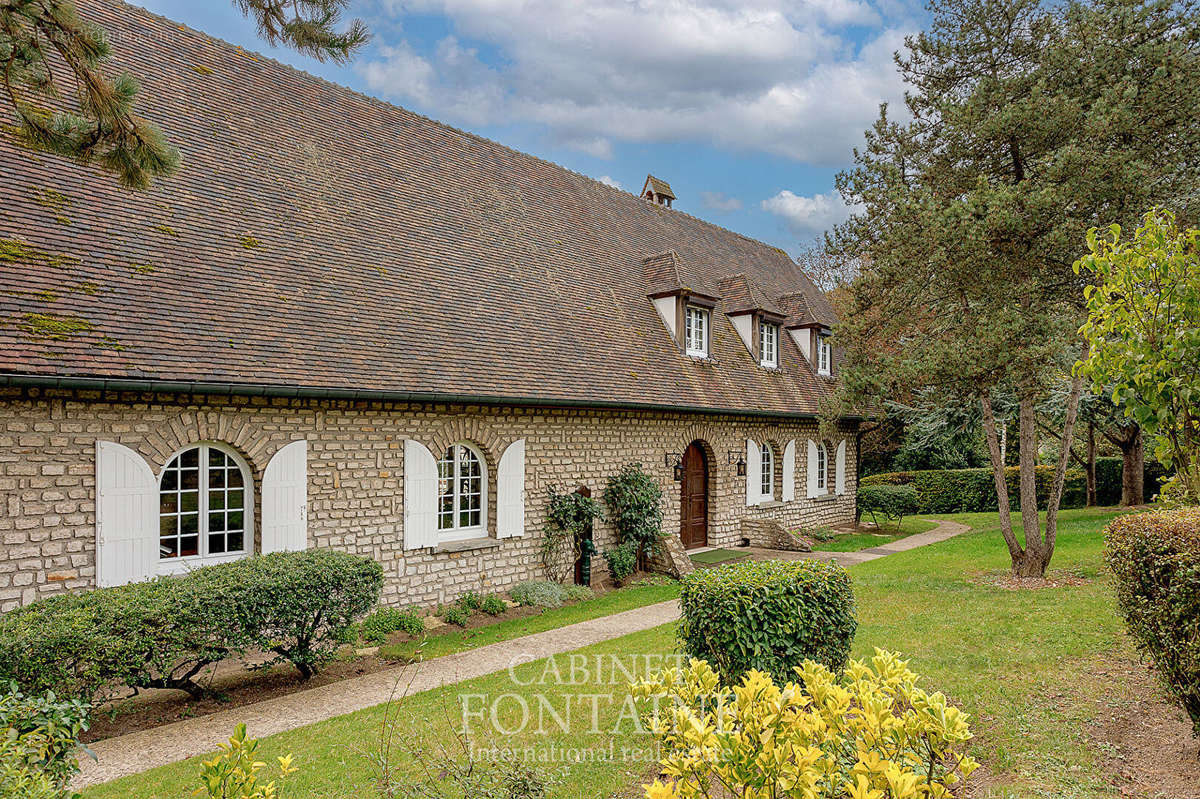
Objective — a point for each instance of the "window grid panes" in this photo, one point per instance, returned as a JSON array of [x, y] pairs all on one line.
[[768, 471], [460, 489], [696, 331], [822, 460], [824, 355], [768, 334], [202, 505]]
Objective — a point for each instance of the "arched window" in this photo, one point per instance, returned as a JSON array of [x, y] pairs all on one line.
[[822, 468], [205, 507], [462, 493], [768, 471]]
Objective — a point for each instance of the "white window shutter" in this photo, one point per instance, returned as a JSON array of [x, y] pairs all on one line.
[[789, 471], [840, 475], [285, 500], [812, 469], [510, 491], [753, 472], [420, 496], [126, 516]]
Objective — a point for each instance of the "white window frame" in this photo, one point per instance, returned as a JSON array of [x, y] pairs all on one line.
[[767, 473], [824, 356], [768, 354], [822, 469], [695, 345], [459, 532], [182, 564]]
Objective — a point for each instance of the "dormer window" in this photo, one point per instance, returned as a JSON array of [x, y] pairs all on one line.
[[695, 331], [824, 356], [768, 348]]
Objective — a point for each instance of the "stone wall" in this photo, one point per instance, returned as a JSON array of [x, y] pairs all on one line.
[[356, 475]]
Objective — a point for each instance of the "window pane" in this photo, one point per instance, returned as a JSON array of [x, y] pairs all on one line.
[[216, 522], [167, 525], [233, 542], [216, 544], [189, 545], [189, 501], [170, 480], [216, 478], [234, 476], [216, 500], [189, 523], [234, 521], [168, 502], [168, 548], [190, 458], [234, 499]]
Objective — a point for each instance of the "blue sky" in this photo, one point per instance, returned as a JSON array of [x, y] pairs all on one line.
[[747, 107]]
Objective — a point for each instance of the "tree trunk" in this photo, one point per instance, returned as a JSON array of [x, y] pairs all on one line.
[[1133, 469], [1090, 469], [995, 444], [1032, 563]]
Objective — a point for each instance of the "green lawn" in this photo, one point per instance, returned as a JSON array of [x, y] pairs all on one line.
[[448, 640], [852, 542], [1017, 661]]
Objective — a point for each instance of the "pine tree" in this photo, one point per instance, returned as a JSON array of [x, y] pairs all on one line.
[[1030, 123], [85, 115]]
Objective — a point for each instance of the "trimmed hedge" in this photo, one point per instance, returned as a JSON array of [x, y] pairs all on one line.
[[768, 615], [893, 503], [973, 490], [161, 634], [1156, 560]]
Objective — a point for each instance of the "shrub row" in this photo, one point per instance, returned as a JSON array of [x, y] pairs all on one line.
[[973, 490], [768, 615], [1156, 560], [162, 634]]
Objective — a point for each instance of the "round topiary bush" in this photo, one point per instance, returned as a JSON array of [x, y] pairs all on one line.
[[891, 503], [1156, 560], [768, 615]]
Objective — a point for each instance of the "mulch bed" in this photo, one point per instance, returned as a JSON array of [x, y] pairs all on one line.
[[1145, 743], [1055, 578]]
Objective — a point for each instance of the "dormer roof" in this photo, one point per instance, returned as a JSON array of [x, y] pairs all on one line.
[[666, 273], [741, 295]]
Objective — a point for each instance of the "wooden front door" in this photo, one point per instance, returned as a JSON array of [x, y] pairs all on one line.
[[693, 506]]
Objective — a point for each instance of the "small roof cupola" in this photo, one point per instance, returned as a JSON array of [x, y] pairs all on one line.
[[657, 191]]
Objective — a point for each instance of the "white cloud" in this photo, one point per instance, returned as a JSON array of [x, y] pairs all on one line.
[[776, 76], [808, 216], [608, 181], [717, 201]]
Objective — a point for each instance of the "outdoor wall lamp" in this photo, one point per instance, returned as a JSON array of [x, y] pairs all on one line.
[[676, 467], [741, 462]]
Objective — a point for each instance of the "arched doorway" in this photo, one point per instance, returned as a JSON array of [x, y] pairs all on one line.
[[693, 504]]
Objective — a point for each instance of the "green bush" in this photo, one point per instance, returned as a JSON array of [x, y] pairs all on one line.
[[768, 615], [1156, 560], [634, 502], [578, 593], [382, 622], [622, 560], [456, 615], [493, 605], [161, 634], [974, 490], [892, 503], [539, 593], [39, 737], [296, 604], [471, 601]]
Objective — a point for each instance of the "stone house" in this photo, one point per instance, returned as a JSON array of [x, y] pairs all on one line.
[[343, 324]]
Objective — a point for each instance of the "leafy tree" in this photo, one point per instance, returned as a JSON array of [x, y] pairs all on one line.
[[1029, 123], [98, 124], [1143, 328]]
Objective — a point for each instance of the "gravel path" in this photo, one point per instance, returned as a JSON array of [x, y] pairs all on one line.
[[140, 751]]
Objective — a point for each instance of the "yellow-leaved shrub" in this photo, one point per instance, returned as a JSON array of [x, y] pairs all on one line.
[[869, 733]]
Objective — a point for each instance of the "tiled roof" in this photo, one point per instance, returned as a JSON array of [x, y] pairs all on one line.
[[321, 239], [665, 273], [741, 293]]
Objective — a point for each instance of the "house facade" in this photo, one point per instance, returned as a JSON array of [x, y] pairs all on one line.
[[343, 324]]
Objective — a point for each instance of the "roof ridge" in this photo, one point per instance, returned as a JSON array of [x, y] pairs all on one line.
[[380, 101]]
